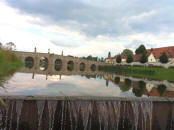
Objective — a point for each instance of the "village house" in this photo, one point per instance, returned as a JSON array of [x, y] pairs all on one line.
[[110, 60], [153, 56], [155, 53], [113, 60]]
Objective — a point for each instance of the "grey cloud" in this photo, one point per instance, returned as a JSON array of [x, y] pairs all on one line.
[[65, 44], [136, 43], [96, 18]]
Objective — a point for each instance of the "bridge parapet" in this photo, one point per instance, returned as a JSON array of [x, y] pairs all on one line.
[[51, 58]]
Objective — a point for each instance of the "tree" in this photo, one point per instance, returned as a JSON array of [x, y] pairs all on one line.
[[118, 59], [164, 58], [143, 58], [127, 52], [0, 45], [109, 54], [10, 46], [141, 50], [129, 59]]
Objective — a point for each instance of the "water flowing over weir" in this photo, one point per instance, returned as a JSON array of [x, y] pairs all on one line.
[[86, 115]]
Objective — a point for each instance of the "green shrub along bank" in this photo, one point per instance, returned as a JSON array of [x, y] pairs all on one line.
[[142, 72], [9, 63]]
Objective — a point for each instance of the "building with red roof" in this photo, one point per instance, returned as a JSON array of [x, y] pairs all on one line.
[[112, 60], [155, 53]]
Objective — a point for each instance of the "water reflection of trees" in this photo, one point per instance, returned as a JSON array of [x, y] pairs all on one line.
[[126, 86], [140, 90], [117, 80], [43, 63], [161, 89]]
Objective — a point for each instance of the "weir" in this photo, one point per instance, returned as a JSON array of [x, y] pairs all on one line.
[[86, 113]]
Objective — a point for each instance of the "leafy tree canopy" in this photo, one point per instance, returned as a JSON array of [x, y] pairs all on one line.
[[141, 50], [163, 58], [90, 57], [143, 58], [129, 59], [0, 45], [127, 52], [10, 46], [118, 59]]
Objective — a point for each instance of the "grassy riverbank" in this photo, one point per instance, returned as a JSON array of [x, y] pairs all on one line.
[[9, 63], [152, 73]]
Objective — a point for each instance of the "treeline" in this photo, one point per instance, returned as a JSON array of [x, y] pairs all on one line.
[[91, 58], [126, 70], [8, 46], [141, 52], [152, 73]]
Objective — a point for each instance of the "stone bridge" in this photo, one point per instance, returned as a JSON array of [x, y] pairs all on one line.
[[47, 63]]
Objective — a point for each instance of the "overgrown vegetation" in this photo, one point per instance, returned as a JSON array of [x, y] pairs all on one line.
[[142, 72], [9, 63]]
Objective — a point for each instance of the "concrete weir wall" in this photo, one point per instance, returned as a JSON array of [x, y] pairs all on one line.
[[86, 113]]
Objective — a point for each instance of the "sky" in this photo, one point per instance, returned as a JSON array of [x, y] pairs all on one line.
[[86, 27]]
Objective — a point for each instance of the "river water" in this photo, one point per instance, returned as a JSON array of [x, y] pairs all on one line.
[[106, 112], [104, 85]]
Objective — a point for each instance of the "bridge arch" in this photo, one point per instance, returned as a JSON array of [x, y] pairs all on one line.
[[93, 67], [29, 62], [70, 65], [58, 64], [43, 63], [82, 66]]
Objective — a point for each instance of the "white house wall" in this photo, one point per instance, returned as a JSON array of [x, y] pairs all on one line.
[[151, 58]]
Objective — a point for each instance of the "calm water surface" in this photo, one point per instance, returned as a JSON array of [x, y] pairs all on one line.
[[107, 84], [73, 85]]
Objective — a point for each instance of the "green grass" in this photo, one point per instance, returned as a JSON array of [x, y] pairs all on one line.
[[152, 73], [9, 63]]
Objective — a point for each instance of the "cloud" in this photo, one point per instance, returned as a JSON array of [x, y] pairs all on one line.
[[95, 18], [65, 44], [85, 27]]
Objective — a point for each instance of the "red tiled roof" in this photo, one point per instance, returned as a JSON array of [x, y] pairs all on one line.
[[157, 52], [122, 56], [115, 57], [137, 57]]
